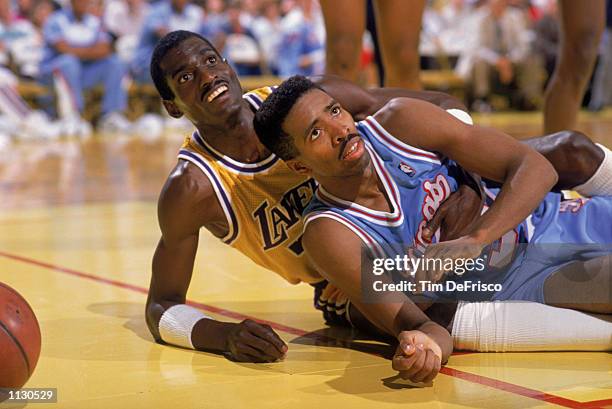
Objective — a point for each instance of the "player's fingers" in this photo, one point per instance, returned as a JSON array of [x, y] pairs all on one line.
[[245, 353], [266, 333], [416, 366], [407, 348], [404, 363], [420, 275], [265, 348], [434, 224], [435, 371], [428, 367], [401, 362]]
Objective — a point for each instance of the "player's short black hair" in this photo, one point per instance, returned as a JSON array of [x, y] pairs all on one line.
[[168, 42], [272, 113]]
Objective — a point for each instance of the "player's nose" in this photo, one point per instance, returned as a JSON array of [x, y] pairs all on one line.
[[340, 133], [207, 75]]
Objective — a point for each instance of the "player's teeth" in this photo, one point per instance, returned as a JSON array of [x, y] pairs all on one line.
[[351, 150], [217, 92]]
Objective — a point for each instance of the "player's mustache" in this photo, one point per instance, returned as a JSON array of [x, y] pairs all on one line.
[[348, 138], [207, 87]]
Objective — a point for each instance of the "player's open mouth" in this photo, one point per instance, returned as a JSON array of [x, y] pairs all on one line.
[[353, 148], [216, 92]]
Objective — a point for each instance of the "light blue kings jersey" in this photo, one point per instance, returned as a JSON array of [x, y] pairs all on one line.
[[416, 183]]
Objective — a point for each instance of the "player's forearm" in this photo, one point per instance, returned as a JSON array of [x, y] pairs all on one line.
[[96, 52], [207, 334], [523, 190], [444, 101]]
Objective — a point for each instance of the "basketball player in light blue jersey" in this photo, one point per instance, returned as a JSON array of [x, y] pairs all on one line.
[[383, 178]]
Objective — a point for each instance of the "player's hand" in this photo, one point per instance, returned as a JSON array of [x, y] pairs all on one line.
[[440, 257], [250, 341], [417, 357], [455, 215]]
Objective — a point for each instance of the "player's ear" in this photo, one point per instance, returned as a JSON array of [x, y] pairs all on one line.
[[298, 167], [172, 109]]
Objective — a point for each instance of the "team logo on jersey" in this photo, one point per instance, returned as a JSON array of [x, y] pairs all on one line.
[[407, 169], [276, 219], [573, 205], [437, 190]]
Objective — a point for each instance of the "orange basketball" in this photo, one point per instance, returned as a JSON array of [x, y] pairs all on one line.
[[19, 339]]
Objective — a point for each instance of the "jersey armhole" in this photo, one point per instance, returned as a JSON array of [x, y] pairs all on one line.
[[368, 241], [222, 195]]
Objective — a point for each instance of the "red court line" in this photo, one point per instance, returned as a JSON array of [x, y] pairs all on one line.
[[142, 290], [521, 390], [596, 404], [467, 376]]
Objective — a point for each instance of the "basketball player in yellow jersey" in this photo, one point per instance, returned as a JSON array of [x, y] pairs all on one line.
[[227, 182]]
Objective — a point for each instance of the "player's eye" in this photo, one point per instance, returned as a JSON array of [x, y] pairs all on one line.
[[212, 60], [335, 110], [183, 78], [315, 134]]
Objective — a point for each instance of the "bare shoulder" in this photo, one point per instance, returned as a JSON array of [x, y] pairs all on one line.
[[419, 123], [398, 109], [325, 236], [188, 201]]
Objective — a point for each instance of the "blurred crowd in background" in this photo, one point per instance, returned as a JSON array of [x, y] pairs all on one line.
[[71, 46]]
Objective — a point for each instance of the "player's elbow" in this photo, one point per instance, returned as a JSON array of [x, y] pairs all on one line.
[[546, 173]]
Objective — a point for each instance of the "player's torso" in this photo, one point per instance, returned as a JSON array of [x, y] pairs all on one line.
[[262, 203], [416, 183]]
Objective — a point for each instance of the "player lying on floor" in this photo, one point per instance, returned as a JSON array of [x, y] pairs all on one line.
[[228, 183], [382, 179]]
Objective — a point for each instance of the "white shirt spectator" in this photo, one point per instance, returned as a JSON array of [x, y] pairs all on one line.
[[126, 23]]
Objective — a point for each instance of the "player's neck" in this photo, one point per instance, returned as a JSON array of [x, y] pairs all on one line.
[[236, 137], [364, 188]]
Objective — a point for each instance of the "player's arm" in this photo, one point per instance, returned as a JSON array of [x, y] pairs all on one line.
[[97, 51], [423, 345], [188, 202], [361, 102], [526, 176]]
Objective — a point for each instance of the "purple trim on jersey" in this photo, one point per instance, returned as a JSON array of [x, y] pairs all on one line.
[[211, 175], [268, 162]]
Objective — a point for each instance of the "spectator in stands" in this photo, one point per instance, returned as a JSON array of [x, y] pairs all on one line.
[[21, 48], [24, 9], [124, 19], [448, 28], [214, 20], [78, 47], [249, 9], [164, 17], [240, 45], [267, 29], [97, 8], [547, 36], [302, 41], [501, 53]]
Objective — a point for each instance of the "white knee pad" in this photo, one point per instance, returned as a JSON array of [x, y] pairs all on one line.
[[528, 326]]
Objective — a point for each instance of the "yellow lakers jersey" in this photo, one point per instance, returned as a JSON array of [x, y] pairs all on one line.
[[263, 204]]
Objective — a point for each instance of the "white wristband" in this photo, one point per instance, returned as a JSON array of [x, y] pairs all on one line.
[[177, 322]]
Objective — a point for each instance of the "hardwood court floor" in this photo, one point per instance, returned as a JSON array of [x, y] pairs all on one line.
[[77, 231]]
